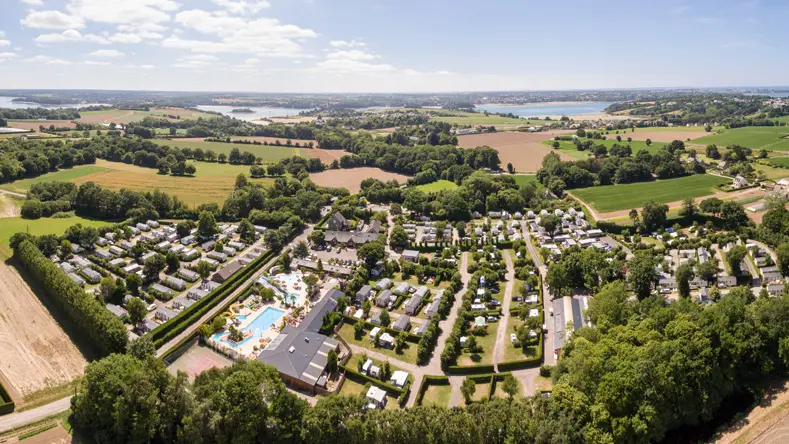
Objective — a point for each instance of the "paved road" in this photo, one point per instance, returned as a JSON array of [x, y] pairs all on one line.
[[189, 331], [14, 420], [502, 339], [548, 347]]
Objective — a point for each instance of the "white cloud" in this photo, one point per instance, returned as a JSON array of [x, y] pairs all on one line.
[[47, 60], [346, 44], [95, 63], [242, 6], [147, 66], [51, 20], [107, 53], [70, 35], [125, 38], [129, 12], [33, 2], [3, 42], [6, 56], [265, 37], [195, 61], [354, 61], [354, 54]]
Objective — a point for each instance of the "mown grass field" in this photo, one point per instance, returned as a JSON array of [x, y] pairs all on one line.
[[466, 118], [269, 154], [754, 137], [522, 179], [780, 161], [12, 225], [440, 185], [657, 129], [621, 197], [213, 182]]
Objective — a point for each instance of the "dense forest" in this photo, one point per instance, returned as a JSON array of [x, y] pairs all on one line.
[[693, 108]]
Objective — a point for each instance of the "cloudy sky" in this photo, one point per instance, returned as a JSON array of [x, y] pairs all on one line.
[[391, 45]]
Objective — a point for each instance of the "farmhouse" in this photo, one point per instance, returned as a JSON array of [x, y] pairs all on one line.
[[300, 353]]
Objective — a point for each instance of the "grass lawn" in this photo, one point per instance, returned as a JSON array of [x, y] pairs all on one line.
[[482, 391], [408, 354], [499, 392], [621, 197], [669, 129], [522, 179], [466, 118], [12, 225], [213, 182], [439, 395], [269, 154], [440, 185], [754, 137], [541, 383], [512, 353], [487, 343], [352, 388]]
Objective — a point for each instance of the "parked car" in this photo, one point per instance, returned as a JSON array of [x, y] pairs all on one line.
[[152, 307]]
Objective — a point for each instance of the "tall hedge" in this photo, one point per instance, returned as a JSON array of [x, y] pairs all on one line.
[[105, 331]]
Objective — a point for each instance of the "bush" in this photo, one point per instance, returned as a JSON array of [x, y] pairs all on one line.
[[546, 371], [32, 209], [106, 332]]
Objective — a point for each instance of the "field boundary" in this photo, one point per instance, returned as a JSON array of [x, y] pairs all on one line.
[[7, 404]]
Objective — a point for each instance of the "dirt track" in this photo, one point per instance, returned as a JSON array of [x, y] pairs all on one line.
[[7, 207], [35, 352], [524, 150], [352, 178]]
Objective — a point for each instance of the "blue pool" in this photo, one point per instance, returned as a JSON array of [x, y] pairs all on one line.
[[258, 326]]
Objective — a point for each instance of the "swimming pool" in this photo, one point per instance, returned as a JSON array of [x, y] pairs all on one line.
[[258, 326], [291, 281]]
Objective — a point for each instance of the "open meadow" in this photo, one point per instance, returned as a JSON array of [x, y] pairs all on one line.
[[480, 119], [436, 186], [524, 150], [352, 178], [12, 225], [213, 182], [633, 195], [754, 137], [635, 145]]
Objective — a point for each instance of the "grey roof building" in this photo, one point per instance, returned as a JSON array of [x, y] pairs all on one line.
[[402, 323], [363, 293], [300, 353]]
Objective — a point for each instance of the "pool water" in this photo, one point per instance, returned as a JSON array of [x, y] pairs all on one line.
[[290, 279], [258, 326]]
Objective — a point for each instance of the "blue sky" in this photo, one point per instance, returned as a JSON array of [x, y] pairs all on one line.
[[390, 46]]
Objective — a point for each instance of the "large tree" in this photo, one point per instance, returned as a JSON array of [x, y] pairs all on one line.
[[642, 274], [734, 257], [206, 225], [653, 215]]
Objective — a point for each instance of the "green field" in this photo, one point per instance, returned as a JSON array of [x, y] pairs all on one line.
[[658, 129], [437, 186], [780, 161], [621, 197], [213, 182], [754, 137], [69, 175], [635, 146], [466, 118], [12, 225], [522, 179], [269, 154]]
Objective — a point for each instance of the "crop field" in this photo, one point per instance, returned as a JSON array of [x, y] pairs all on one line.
[[754, 137], [212, 183], [35, 124], [353, 177], [269, 154], [621, 197], [780, 161], [779, 171], [465, 118], [37, 358], [524, 150], [440, 185]]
